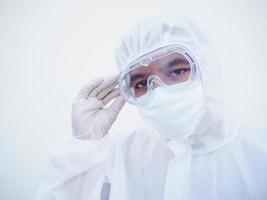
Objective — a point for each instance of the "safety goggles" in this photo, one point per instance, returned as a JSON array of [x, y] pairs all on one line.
[[173, 64]]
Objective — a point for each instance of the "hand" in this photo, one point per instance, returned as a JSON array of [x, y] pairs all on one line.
[[90, 118]]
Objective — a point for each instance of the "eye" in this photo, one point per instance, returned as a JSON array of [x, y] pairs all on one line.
[[141, 84], [178, 72]]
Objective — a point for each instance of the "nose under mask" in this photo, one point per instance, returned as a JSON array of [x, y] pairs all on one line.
[[173, 111]]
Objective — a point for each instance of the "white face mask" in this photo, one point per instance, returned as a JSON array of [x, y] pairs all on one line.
[[174, 110]]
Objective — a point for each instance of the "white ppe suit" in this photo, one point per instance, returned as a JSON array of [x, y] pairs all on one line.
[[220, 160]]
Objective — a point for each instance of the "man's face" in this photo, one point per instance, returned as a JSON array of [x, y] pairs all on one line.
[[171, 69]]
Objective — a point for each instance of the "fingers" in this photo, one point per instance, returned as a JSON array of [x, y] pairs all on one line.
[[104, 92], [113, 94], [106, 83], [89, 87], [117, 105]]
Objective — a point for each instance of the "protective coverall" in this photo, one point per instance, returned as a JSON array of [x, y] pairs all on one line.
[[220, 160]]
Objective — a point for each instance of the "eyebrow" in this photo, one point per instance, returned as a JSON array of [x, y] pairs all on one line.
[[173, 63], [176, 61], [136, 76]]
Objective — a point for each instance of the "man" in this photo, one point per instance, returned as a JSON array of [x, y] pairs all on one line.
[[190, 149]]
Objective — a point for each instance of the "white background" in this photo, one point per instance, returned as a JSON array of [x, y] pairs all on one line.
[[49, 49]]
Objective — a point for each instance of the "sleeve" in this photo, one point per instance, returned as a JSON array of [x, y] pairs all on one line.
[[77, 170]]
